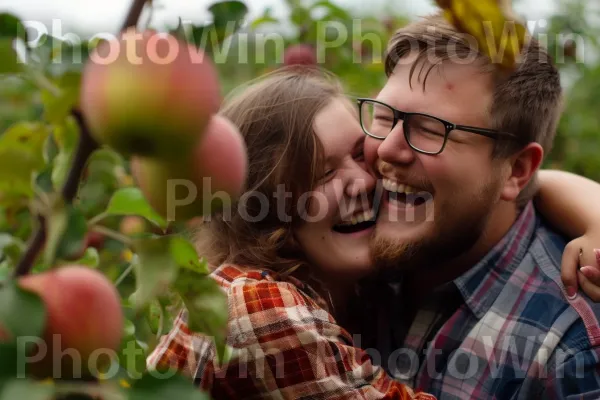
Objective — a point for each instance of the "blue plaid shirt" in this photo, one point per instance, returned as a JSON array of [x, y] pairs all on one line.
[[505, 329]]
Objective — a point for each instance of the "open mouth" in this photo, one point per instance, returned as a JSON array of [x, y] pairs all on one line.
[[357, 224], [405, 195], [407, 199]]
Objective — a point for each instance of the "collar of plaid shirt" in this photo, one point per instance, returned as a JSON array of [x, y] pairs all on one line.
[[482, 284], [498, 328]]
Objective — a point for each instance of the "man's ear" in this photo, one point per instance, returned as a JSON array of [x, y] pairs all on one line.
[[523, 166]]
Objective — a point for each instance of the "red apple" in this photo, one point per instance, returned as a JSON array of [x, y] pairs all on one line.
[[4, 335], [300, 54], [132, 225], [84, 318], [218, 163], [148, 94], [95, 239]]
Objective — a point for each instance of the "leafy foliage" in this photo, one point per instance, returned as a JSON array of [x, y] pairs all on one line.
[[40, 135], [159, 270]]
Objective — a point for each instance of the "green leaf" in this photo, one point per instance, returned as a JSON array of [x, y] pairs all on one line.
[[132, 356], [9, 63], [91, 258], [9, 354], [66, 135], [206, 304], [57, 57], [57, 108], [61, 165], [41, 54], [11, 247], [72, 241], [50, 149], [26, 389], [56, 224], [228, 11], [69, 58], [131, 201], [228, 17], [173, 386], [143, 331], [21, 145], [11, 27], [43, 180], [263, 21], [185, 256], [5, 270], [22, 312], [155, 268], [300, 16]]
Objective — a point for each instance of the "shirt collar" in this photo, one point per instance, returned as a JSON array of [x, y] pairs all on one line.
[[482, 284]]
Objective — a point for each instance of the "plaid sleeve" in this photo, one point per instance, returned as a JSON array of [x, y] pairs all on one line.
[[290, 347], [179, 349], [575, 377]]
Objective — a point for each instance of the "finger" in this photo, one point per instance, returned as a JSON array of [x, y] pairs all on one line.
[[589, 257], [592, 274], [568, 269], [593, 291]]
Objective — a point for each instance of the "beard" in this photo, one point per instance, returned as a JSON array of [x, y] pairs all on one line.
[[457, 228]]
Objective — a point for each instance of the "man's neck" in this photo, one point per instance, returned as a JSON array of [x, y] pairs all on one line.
[[498, 225]]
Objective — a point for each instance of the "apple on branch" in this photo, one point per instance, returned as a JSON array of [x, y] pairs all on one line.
[[211, 176], [300, 54], [132, 225], [149, 94], [84, 322]]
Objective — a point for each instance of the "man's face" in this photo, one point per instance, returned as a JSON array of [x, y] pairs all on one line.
[[457, 189]]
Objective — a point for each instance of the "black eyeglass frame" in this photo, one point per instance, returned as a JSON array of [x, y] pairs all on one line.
[[402, 115]]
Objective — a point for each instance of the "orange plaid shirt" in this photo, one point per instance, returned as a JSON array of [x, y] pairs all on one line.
[[288, 347]]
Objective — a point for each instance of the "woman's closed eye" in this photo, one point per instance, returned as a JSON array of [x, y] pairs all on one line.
[[327, 175]]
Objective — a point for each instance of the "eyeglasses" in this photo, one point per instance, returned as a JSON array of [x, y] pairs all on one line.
[[424, 133]]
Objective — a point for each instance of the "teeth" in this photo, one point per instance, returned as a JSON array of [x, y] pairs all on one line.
[[392, 186], [357, 219]]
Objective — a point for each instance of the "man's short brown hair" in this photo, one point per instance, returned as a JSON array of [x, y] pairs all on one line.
[[526, 102]]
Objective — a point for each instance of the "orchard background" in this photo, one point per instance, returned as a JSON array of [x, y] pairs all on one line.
[[62, 203]]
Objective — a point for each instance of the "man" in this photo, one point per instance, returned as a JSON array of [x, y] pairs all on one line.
[[479, 309]]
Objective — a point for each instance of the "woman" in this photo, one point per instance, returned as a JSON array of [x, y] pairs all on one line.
[[289, 314]]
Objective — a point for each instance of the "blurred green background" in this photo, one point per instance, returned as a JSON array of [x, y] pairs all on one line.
[[572, 28]]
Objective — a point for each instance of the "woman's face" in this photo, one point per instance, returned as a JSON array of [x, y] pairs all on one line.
[[338, 221]]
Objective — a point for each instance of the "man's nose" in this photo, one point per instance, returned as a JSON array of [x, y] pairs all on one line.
[[394, 149]]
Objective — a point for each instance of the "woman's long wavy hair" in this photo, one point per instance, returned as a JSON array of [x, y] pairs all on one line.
[[275, 115]]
